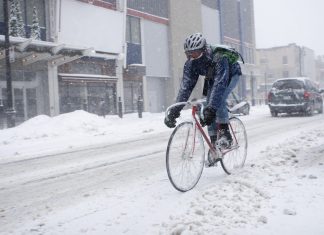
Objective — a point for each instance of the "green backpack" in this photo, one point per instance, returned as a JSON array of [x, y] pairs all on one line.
[[232, 54]]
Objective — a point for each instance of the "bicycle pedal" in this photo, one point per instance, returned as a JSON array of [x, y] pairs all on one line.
[[208, 164]]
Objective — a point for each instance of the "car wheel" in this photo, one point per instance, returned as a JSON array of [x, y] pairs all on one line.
[[320, 110], [310, 111], [274, 113]]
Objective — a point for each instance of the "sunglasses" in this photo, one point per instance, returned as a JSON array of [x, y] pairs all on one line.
[[194, 54]]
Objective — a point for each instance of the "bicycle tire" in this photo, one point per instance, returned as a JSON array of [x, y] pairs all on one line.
[[235, 158], [185, 157]]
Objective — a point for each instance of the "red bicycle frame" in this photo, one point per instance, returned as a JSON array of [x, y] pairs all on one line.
[[198, 125]]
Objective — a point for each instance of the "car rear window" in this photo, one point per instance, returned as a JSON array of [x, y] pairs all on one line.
[[288, 84]]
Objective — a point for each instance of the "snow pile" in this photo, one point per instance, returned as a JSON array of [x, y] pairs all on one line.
[[262, 193], [79, 129], [78, 122]]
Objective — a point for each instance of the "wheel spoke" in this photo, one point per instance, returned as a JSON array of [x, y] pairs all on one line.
[[235, 158], [185, 157]]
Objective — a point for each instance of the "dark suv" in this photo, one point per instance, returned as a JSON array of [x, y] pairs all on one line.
[[290, 95]]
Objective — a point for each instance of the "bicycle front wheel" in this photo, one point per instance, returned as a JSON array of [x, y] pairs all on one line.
[[235, 158], [185, 156]]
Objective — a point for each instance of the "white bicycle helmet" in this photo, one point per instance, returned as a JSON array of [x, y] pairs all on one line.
[[194, 42]]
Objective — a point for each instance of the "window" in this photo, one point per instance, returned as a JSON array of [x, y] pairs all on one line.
[[1, 11], [133, 30], [210, 3], [19, 103], [26, 8], [285, 74], [133, 38], [29, 7], [285, 60], [269, 75], [263, 61], [110, 1], [153, 7], [31, 102], [250, 56]]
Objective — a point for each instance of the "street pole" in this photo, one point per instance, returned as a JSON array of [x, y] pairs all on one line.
[[221, 30], [252, 89], [265, 89], [242, 83], [10, 111]]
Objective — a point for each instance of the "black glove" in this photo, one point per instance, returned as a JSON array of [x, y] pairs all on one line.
[[209, 115], [170, 119]]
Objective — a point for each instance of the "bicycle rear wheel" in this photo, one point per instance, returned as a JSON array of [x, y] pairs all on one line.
[[235, 158], [185, 156]]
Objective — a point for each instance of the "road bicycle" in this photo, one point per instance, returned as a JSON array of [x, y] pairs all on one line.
[[185, 155]]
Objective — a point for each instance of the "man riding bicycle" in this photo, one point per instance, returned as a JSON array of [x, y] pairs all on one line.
[[222, 75]]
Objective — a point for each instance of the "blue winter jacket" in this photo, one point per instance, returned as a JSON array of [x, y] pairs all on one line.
[[216, 85]]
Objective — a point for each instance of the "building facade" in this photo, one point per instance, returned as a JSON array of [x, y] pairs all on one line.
[[116, 51], [238, 31], [148, 50], [165, 24], [320, 71], [85, 82], [30, 88], [68, 67]]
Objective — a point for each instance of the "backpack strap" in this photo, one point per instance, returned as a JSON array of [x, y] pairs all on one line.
[[241, 57]]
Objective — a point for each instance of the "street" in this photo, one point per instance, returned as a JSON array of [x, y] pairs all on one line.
[[121, 193]]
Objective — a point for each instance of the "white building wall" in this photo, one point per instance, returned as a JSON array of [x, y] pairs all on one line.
[[156, 60], [309, 63], [210, 24], [156, 49], [82, 24]]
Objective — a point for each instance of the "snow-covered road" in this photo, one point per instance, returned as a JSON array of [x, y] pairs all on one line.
[[122, 187]]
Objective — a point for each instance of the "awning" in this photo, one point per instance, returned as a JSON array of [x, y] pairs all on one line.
[[28, 51], [80, 78]]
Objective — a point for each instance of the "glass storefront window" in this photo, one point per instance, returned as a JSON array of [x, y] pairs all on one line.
[[4, 96], [132, 91], [19, 104], [88, 96], [17, 75], [31, 103]]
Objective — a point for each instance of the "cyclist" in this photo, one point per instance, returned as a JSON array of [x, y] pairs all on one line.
[[221, 81]]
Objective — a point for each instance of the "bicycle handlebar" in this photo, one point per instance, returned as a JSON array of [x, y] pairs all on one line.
[[191, 103]]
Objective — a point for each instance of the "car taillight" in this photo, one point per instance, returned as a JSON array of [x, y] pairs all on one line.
[[306, 95]]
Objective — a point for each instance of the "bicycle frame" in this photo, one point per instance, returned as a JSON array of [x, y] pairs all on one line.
[[201, 129], [217, 151], [206, 138]]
